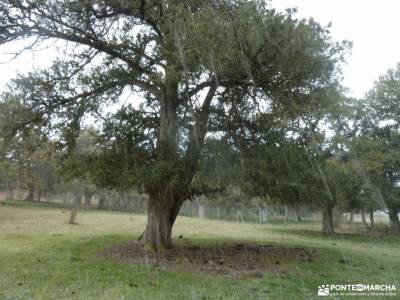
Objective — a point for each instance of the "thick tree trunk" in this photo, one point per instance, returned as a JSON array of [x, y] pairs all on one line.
[[159, 227], [163, 207], [161, 203], [161, 215], [371, 218], [39, 197], [165, 201], [327, 220], [394, 219]]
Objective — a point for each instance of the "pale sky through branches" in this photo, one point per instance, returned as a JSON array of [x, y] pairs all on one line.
[[373, 27]]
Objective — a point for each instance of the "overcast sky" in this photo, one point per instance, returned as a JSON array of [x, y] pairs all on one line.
[[373, 26]]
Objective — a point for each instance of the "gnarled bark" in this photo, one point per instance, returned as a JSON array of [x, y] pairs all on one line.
[[163, 208], [159, 224]]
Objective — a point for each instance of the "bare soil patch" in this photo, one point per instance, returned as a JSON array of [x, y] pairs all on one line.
[[233, 259]]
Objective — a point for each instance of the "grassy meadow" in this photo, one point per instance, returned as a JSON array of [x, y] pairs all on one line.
[[43, 257]]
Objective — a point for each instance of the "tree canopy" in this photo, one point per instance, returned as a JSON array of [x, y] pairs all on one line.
[[200, 66]]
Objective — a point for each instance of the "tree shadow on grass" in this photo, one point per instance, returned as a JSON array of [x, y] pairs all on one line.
[[232, 259]]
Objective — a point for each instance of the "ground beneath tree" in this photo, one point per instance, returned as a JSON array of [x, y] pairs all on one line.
[[236, 259]]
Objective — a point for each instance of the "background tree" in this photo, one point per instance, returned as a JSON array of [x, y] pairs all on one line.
[[27, 154], [377, 161], [376, 150]]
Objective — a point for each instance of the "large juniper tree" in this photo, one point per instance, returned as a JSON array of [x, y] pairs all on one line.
[[187, 58]]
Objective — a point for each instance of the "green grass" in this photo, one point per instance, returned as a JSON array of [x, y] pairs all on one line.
[[42, 257]]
